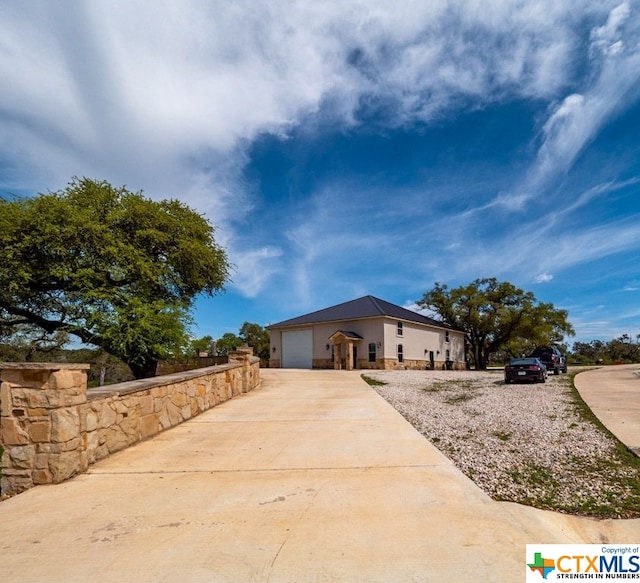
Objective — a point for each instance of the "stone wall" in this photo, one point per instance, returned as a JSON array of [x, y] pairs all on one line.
[[52, 428]]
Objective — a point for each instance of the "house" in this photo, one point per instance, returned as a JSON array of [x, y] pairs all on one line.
[[366, 333]]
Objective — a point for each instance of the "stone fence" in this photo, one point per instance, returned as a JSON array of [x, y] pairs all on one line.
[[52, 428]]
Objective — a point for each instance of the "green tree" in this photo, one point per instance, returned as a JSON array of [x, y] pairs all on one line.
[[29, 343], [228, 343], [624, 348], [497, 316], [588, 352], [109, 266], [199, 345], [257, 337]]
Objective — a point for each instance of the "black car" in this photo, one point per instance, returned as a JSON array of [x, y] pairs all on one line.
[[525, 369], [551, 357]]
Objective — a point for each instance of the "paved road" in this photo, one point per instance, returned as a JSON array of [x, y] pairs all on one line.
[[613, 394], [311, 478]]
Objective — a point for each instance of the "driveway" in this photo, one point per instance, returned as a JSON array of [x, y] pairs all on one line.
[[613, 395], [312, 477]]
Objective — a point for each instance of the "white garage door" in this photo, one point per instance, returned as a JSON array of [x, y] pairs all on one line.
[[297, 348]]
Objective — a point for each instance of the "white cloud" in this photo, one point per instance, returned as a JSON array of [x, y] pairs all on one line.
[[167, 96], [258, 265], [606, 38], [543, 278], [575, 120], [132, 91]]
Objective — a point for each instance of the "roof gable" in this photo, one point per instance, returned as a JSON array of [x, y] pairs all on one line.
[[365, 307]]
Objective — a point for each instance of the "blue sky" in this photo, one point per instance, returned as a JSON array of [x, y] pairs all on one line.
[[350, 148]]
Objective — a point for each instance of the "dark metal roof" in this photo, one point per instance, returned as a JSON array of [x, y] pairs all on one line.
[[365, 307], [348, 335]]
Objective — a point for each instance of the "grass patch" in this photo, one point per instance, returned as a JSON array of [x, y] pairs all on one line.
[[531, 475], [439, 386], [459, 398], [373, 382], [502, 435], [456, 388], [583, 409]]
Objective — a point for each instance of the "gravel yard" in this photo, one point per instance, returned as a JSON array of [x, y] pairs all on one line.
[[528, 443]]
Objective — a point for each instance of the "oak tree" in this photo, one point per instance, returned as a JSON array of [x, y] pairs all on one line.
[[108, 266], [497, 316]]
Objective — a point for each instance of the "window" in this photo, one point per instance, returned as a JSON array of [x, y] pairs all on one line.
[[448, 355], [400, 353], [446, 336], [399, 332], [372, 351]]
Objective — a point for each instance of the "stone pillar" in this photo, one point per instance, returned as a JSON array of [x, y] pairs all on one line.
[[349, 357], [243, 355], [337, 355], [42, 410]]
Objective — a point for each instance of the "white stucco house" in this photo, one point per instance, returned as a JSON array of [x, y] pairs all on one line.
[[366, 333]]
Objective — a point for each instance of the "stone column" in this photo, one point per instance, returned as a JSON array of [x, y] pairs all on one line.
[[243, 355], [42, 410], [337, 355], [349, 358]]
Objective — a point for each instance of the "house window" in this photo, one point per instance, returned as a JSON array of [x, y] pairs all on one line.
[[372, 351], [400, 353], [446, 336], [399, 332], [448, 355]]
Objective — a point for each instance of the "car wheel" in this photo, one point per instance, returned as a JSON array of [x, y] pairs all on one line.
[[556, 371]]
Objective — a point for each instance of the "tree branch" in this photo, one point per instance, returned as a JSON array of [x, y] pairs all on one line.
[[51, 326]]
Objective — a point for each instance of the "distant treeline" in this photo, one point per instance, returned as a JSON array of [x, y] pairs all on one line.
[[624, 349]]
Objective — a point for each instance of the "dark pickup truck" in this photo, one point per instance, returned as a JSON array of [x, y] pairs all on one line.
[[552, 358]]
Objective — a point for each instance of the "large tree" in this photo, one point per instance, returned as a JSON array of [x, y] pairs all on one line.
[[497, 316], [109, 266], [257, 337], [625, 348]]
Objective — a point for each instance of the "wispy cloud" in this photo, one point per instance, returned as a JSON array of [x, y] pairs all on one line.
[[575, 119], [606, 38], [170, 97]]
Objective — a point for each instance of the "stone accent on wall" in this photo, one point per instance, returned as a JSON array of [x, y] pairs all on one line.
[[380, 364], [52, 428], [322, 363]]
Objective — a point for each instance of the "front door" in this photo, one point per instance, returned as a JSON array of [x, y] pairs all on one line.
[[355, 357], [432, 362]]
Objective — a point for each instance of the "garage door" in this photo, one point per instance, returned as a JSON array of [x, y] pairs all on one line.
[[297, 348]]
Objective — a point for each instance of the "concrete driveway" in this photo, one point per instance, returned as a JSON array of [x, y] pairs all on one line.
[[311, 478], [613, 395]]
